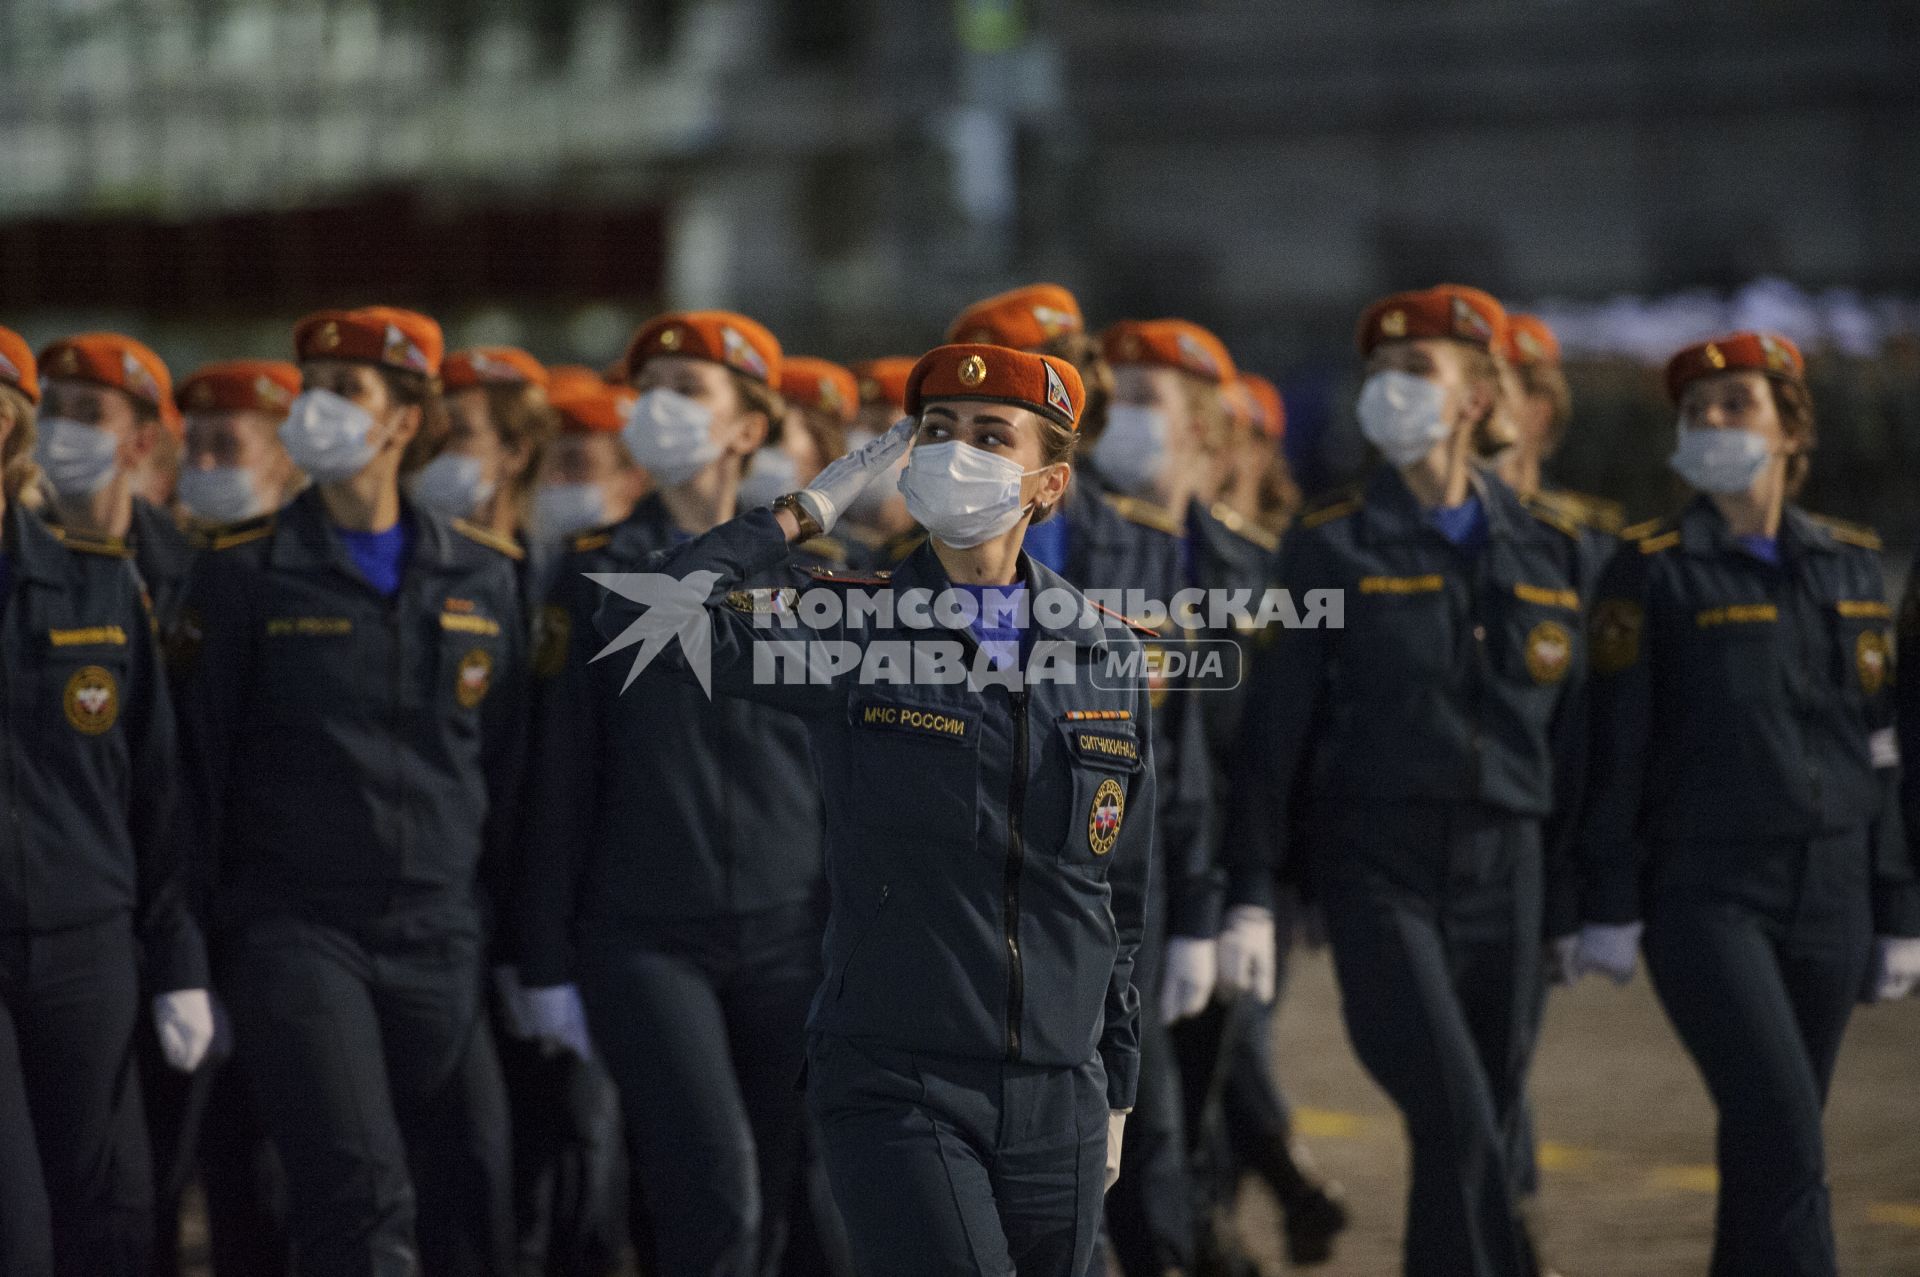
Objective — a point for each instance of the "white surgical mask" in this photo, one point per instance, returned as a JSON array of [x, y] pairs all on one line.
[[328, 436], [961, 494], [224, 494], [770, 473], [78, 459], [1131, 453], [671, 435], [562, 509], [452, 484], [1723, 461], [1402, 415]]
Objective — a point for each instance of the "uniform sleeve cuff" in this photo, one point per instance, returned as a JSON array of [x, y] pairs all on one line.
[[1123, 1078], [1896, 908]]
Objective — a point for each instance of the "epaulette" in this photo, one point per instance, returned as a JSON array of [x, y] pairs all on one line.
[[112, 547], [824, 547], [1642, 530], [1338, 506], [1850, 533], [592, 538], [1146, 514], [492, 540], [1244, 528], [835, 576], [1665, 541], [1551, 514], [897, 547], [1603, 513], [1136, 626]]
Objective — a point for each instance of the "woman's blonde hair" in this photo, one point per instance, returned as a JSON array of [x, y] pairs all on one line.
[[19, 475], [1058, 444]]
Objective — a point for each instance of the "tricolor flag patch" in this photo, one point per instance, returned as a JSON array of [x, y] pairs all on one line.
[[402, 352], [1057, 396], [741, 354]]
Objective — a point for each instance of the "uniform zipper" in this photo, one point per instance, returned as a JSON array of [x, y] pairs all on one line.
[[1016, 861]]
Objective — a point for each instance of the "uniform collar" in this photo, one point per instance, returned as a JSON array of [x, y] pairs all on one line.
[[922, 570], [1703, 531], [1390, 511], [305, 539], [37, 552]]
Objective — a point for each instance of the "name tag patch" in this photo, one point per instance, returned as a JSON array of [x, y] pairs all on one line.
[[460, 623], [1546, 597], [88, 636], [1737, 614], [940, 724], [309, 626], [1431, 583], [1103, 746]]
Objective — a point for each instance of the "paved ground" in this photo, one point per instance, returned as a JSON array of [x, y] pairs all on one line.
[[1628, 1165]]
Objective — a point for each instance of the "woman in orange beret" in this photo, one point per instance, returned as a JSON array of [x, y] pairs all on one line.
[[235, 466], [352, 673], [1742, 825]]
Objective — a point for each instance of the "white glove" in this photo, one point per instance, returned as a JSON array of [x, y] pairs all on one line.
[[555, 1013], [1559, 956], [513, 1003], [1116, 1128], [1247, 959], [1610, 948], [1187, 986], [835, 487], [184, 1020], [1896, 967]]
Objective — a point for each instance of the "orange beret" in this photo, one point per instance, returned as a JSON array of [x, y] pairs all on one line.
[[109, 359], [17, 367], [1452, 311], [1269, 410], [1024, 318], [820, 384], [568, 378], [240, 385], [731, 340], [884, 380], [1769, 353], [492, 366], [995, 374], [598, 409], [383, 335], [1530, 341], [1168, 343]]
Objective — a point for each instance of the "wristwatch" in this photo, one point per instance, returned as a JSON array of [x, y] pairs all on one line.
[[792, 504]]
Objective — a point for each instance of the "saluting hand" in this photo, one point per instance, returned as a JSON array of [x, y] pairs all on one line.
[[835, 487]]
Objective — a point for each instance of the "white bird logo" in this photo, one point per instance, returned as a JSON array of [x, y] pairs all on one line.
[[676, 608]]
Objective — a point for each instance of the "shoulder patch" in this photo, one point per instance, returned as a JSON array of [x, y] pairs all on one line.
[[1665, 541], [1850, 533], [1642, 530], [1145, 513], [824, 547], [1244, 528], [492, 540], [1146, 631], [111, 547], [1337, 509], [1557, 519], [593, 539]]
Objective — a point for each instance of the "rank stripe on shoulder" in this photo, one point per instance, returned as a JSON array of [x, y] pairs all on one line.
[[1328, 513], [1244, 528], [492, 540], [593, 539], [465, 623], [1850, 533], [1551, 598], [1642, 530], [111, 547], [1558, 520], [823, 546], [1872, 609], [1430, 583], [1665, 541], [1145, 513]]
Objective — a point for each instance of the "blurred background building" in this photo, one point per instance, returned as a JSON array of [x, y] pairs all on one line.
[[548, 172]]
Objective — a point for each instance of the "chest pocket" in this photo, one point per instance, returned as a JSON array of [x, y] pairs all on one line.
[[83, 682], [1397, 626], [1103, 758], [314, 660], [915, 767]]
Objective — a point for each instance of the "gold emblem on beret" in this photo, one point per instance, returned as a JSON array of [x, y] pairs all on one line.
[[1714, 357], [973, 370], [328, 337], [67, 362], [1130, 347], [202, 395], [670, 339], [869, 388], [1393, 324]]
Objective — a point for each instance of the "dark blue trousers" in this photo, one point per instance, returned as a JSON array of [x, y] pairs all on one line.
[[946, 1167], [1434, 914], [702, 1026], [1758, 953]]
